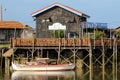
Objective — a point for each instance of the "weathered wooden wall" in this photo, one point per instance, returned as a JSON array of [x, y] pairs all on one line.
[[9, 33], [60, 15]]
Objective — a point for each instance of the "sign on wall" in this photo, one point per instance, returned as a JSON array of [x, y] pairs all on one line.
[[57, 26]]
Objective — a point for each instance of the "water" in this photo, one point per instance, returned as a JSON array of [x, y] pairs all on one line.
[[78, 74]]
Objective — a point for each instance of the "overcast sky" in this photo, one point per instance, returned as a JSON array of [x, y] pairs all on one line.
[[103, 11]]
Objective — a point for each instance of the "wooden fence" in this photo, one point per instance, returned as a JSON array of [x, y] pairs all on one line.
[[19, 42]]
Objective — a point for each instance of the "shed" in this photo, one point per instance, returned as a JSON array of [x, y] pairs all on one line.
[[10, 29]]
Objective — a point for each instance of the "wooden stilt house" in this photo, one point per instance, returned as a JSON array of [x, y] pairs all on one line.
[[59, 17]]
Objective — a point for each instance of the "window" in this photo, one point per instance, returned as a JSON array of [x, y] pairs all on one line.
[[2, 37], [72, 35]]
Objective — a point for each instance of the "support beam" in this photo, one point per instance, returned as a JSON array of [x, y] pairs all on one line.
[[90, 62], [58, 51], [2, 51], [38, 53], [47, 54], [7, 64], [115, 60], [90, 55], [27, 56], [58, 61], [13, 54], [32, 54], [103, 60], [90, 58], [74, 51], [116, 52], [84, 58], [41, 52], [113, 65]]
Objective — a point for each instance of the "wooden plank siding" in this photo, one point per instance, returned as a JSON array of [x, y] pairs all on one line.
[[58, 15], [55, 42]]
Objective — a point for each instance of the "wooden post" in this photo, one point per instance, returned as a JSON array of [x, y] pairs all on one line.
[[103, 60], [58, 61], [90, 55], [74, 57], [32, 53], [7, 68], [116, 56], [27, 57], [38, 53], [13, 55], [113, 65], [74, 51], [2, 50], [115, 59], [47, 54], [90, 59], [7, 62], [41, 52]]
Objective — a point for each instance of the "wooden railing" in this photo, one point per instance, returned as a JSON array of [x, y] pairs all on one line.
[[63, 42]]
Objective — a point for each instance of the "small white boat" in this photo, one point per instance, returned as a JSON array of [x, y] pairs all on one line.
[[35, 66]]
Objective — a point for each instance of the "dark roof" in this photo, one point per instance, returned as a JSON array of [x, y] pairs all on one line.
[[62, 6]]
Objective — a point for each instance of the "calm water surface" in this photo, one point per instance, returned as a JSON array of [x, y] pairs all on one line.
[[78, 74]]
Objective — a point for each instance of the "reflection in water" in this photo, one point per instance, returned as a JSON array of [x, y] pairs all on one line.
[[43, 75], [78, 74], [97, 74]]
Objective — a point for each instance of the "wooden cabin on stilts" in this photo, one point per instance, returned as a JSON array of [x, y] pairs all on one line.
[[64, 35]]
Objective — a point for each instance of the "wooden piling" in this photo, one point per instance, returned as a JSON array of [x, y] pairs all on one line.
[[103, 60], [32, 53], [113, 64], [7, 64], [90, 60], [2, 51], [116, 52]]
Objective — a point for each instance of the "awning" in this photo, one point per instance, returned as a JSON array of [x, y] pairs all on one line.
[[8, 53]]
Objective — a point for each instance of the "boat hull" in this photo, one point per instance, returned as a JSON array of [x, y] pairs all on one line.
[[43, 67]]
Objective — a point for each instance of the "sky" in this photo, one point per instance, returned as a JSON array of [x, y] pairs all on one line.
[[101, 11]]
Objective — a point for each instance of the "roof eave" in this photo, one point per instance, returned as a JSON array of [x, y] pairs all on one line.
[[84, 15], [62, 6]]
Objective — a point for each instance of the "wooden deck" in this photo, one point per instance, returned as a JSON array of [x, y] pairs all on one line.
[[69, 42]]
